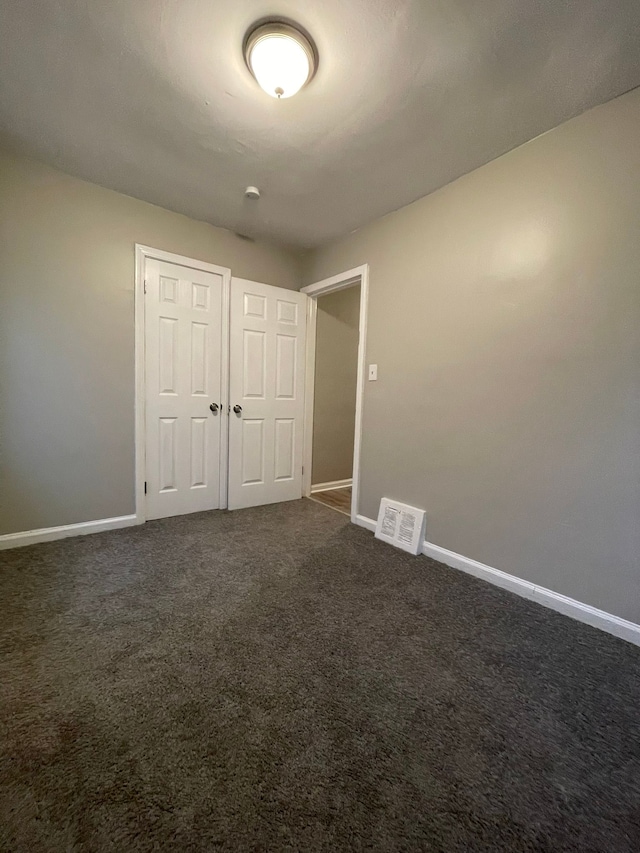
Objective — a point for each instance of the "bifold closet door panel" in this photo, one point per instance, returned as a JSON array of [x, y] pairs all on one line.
[[267, 369], [183, 378]]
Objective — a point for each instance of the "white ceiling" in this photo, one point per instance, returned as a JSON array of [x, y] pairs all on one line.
[[152, 98]]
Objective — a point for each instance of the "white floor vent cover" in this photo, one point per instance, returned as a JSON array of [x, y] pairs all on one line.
[[401, 525]]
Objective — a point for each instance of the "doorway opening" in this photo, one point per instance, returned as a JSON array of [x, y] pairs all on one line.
[[334, 404], [335, 384]]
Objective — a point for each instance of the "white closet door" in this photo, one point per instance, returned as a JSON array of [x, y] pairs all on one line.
[[267, 358], [183, 358]]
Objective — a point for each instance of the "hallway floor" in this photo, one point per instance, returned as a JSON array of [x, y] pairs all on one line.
[[276, 679], [339, 499]]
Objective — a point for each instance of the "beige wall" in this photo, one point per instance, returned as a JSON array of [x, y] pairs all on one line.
[[505, 321], [334, 408], [67, 336]]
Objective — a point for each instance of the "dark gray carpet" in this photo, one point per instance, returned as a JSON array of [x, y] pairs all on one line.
[[276, 679]]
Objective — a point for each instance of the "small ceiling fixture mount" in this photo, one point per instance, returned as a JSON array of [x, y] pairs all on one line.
[[281, 58]]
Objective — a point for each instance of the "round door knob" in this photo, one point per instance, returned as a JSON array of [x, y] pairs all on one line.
[[237, 409], [214, 407]]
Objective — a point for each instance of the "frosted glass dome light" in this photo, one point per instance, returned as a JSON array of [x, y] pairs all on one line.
[[281, 59]]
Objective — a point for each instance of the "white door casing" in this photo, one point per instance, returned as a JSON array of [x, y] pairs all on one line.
[[357, 275], [267, 357], [183, 376]]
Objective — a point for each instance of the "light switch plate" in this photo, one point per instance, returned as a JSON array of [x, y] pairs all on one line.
[[373, 372]]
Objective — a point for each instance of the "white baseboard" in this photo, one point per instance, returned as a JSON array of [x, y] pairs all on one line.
[[479, 570], [49, 534], [334, 484], [368, 523], [615, 625]]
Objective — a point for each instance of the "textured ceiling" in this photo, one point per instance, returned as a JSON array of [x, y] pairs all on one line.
[[152, 98]]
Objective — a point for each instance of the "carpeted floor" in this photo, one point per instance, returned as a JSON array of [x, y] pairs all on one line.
[[276, 680]]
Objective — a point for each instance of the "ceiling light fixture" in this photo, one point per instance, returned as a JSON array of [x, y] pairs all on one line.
[[280, 57]]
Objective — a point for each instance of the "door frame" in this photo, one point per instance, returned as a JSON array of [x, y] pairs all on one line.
[[142, 253], [357, 275]]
